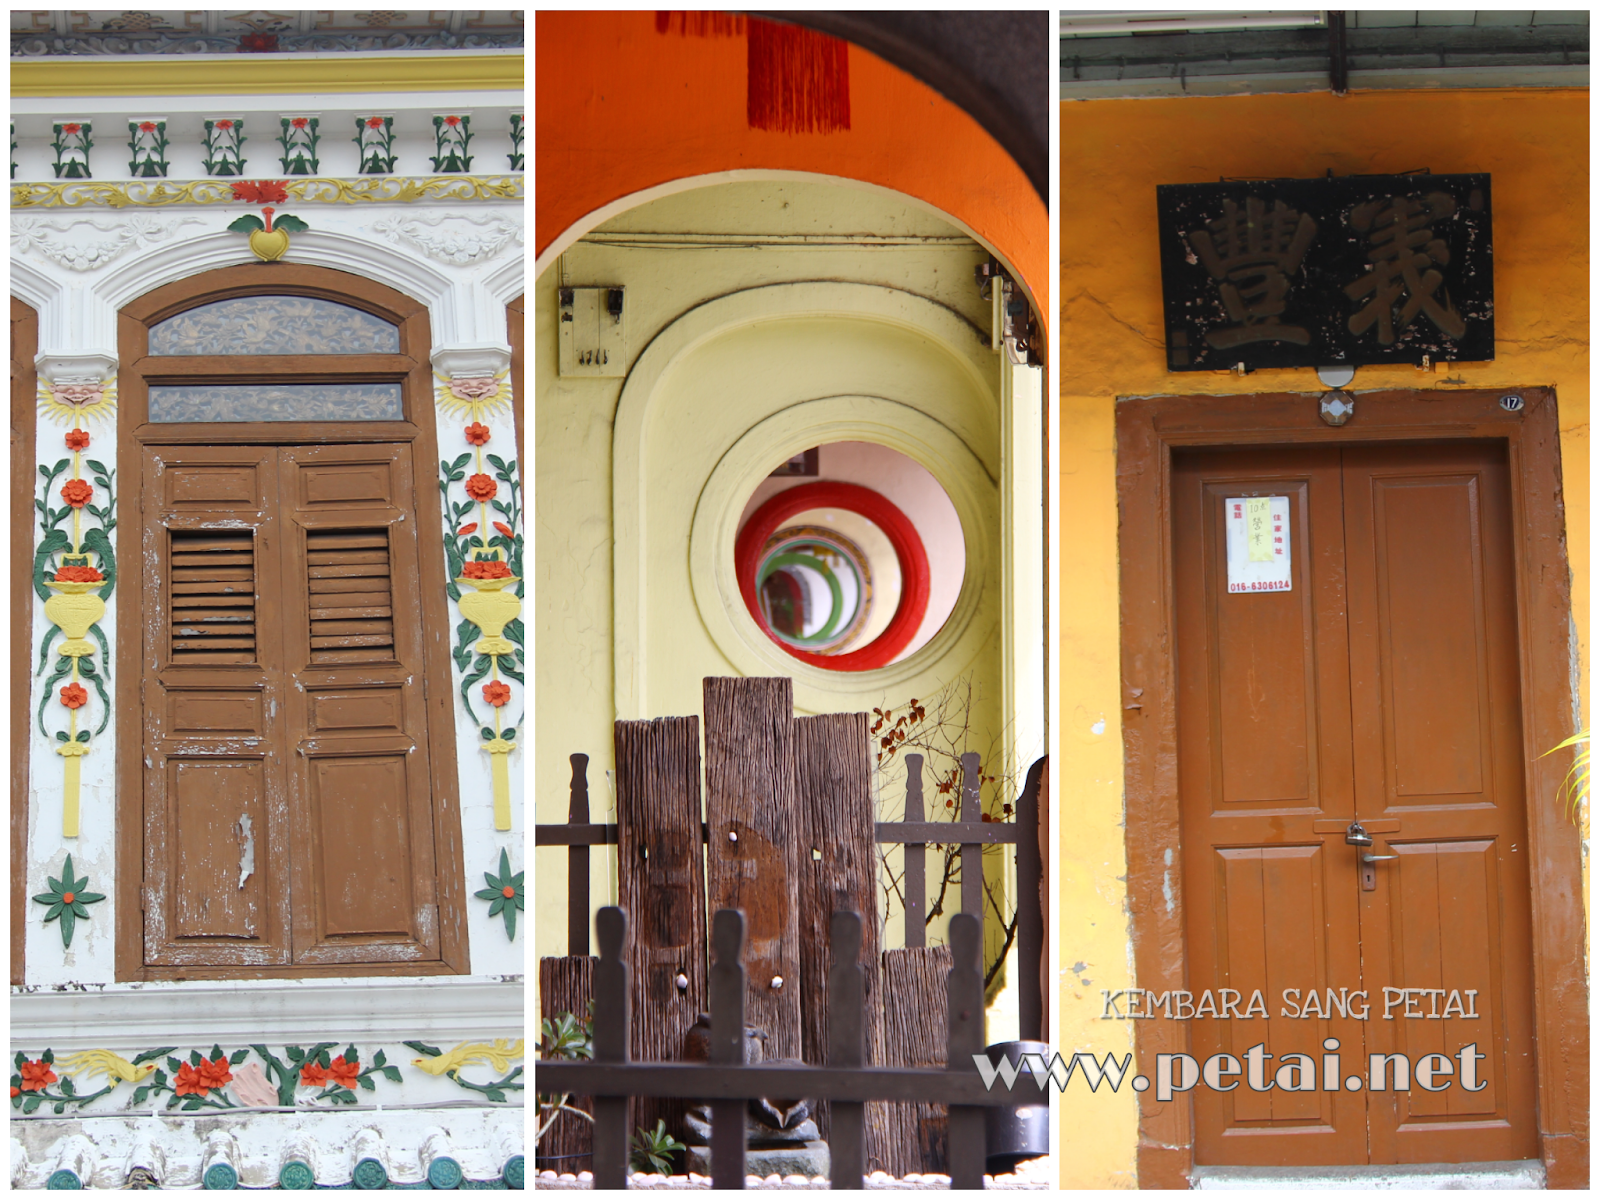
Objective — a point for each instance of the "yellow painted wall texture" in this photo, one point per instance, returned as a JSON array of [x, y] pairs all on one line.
[[1534, 144]]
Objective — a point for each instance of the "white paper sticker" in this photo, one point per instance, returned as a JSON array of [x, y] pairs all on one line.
[[1258, 544]]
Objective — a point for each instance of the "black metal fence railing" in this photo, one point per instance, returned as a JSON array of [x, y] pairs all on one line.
[[728, 1084]]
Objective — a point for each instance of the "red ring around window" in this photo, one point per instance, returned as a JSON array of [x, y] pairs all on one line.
[[902, 535]]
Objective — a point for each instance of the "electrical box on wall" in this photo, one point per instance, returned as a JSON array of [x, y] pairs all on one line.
[[593, 338]]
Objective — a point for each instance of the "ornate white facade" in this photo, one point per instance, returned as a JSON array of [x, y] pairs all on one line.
[[82, 249]]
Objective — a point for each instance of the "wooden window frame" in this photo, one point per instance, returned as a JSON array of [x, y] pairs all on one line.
[[412, 368], [1148, 430], [24, 441]]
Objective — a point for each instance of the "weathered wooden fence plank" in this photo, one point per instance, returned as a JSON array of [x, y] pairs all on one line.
[[753, 837], [661, 879], [566, 985], [838, 872], [914, 1035]]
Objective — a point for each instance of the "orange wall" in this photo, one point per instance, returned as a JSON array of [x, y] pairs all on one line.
[[621, 108], [1534, 143]]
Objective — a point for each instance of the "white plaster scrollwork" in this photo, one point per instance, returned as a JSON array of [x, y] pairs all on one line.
[[442, 237], [68, 241]]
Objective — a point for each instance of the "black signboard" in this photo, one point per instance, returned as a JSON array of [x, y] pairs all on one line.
[[1321, 272]]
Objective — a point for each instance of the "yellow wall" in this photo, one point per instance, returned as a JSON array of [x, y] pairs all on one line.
[[1534, 144], [802, 230]]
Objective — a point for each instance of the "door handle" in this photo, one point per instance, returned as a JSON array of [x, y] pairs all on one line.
[[1369, 869]]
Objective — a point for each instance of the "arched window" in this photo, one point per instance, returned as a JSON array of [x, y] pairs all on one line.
[[289, 787]]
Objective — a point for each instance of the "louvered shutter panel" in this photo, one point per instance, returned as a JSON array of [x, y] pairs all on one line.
[[356, 715], [213, 596], [216, 816], [349, 596]]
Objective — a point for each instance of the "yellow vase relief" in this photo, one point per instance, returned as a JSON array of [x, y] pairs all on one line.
[[490, 607], [73, 610]]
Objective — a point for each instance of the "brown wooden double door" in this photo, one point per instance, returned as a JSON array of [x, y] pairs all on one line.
[[286, 794], [1384, 688]]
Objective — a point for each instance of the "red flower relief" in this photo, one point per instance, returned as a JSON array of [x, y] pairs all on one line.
[[16, 1091], [496, 693], [71, 128], [74, 574], [450, 121], [299, 122], [479, 487], [488, 569], [503, 528], [342, 1073], [77, 439], [224, 124], [78, 493], [466, 529], [190, 1081], [147, 126], [477, 434], [374, 122], [312, 1075], [213, 1074], [74, 695], [36, 1076], [265, 191]]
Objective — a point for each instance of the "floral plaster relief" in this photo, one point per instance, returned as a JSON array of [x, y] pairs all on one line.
[[450, 238], [71, 242], [483, 546]]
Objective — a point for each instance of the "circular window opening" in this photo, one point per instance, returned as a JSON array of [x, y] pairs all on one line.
[[850, 556]]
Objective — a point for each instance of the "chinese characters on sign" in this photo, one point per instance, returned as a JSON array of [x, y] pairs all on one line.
[[1319, 272], [1257, 537]]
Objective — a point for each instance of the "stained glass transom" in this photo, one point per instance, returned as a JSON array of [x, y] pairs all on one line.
[[277, 402], [274, 325]]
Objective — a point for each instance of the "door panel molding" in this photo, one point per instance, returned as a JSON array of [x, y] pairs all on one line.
[[1149, 430]]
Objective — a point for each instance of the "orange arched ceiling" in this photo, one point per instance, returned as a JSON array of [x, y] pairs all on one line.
[[620, 107]]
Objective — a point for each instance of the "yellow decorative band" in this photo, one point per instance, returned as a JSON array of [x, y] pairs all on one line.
[[230, 74], [383, 189]]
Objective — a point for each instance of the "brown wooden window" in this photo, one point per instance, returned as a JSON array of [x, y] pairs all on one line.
[[288, 790]]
